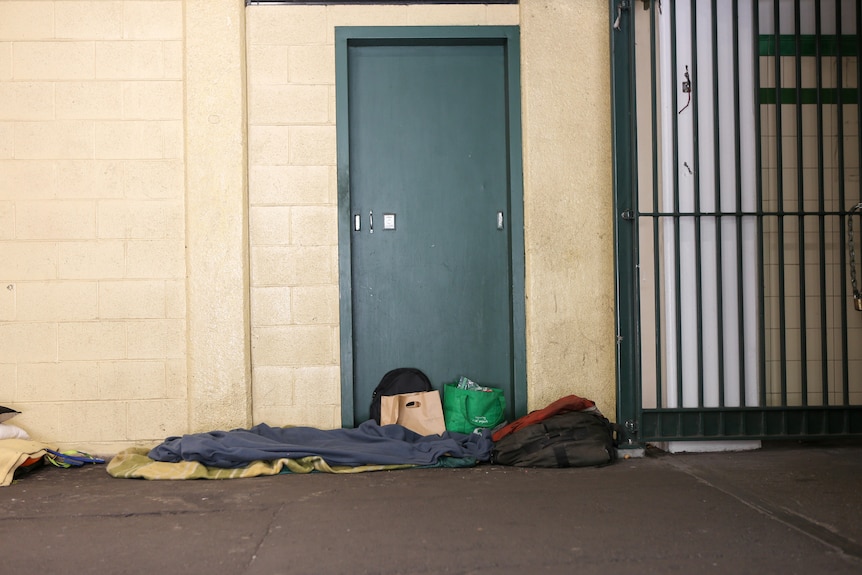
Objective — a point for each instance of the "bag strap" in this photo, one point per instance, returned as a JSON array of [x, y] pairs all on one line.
[[561, 456], [462, 403], [552, 437]]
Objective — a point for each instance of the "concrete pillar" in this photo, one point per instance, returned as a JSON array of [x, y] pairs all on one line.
[[219, 371]]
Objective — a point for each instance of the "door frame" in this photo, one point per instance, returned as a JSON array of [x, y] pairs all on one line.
[[509, 37]]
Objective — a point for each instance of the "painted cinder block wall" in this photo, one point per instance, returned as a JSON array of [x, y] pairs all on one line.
[[168, 243], [93, 316]]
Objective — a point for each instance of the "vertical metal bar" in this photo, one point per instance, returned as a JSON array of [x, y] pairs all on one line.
[[657, 222], [818, 61], [676, 218], [737, 159], [697, 212], [800, 199], [824, 315], [716, 159], [758, 174], [842, 205], [779, 178]]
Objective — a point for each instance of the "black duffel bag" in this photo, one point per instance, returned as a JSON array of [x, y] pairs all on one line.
[[571, 439]]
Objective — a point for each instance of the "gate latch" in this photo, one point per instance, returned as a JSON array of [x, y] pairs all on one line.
[[631, 429]]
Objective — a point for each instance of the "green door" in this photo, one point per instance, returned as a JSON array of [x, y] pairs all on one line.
[[430, 213]]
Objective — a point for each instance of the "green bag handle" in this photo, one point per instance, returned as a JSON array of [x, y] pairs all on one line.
[[462, 403]]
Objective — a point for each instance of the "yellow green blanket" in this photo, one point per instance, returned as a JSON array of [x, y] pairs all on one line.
[[133, 463]]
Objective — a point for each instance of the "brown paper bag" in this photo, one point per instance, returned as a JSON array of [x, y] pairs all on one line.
[[421, 412]]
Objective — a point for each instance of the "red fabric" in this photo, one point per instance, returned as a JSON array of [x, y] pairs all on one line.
[[562, 405]]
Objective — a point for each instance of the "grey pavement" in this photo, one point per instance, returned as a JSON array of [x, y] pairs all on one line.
[[787, 508]]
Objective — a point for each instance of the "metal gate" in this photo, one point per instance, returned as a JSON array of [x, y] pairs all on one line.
[[738, 204]]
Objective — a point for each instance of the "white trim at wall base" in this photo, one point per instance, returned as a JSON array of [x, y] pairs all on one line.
[[707, 446]]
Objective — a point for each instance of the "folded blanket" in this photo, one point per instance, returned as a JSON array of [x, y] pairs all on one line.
[[134, 463], [368, 444], [14, 453]]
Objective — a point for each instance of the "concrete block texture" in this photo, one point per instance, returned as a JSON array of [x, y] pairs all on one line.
[[168, 202], [5, 136], [88, 20], [27, 101], [7, 220], [292, 185], [92, 219], [26, 20]]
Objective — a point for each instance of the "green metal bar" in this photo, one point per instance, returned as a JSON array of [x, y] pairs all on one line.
[[751, 423], [821, 192], [800, 199], [779, 176], [623, 119], [716, 160], [746, 213], [809, 96], [842, 198], [830, 45], [657, 223], [698, 264], [739, 222], [758, 152], [818, 49], [676, 223]]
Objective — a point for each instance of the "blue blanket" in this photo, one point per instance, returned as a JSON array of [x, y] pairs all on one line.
[[368, 444]]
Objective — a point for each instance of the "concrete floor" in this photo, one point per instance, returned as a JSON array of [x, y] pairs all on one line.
[[787, 508]]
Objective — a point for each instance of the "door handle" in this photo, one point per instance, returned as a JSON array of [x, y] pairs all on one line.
[[500, 220], [357, 222]]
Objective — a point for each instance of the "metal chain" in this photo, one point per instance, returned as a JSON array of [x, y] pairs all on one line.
[[851, 245]]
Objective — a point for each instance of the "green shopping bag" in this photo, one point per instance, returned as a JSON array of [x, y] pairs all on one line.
[[466, 409]]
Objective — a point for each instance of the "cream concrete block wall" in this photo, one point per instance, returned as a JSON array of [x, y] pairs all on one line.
[[568, 211], [92, 221], [140, 278], [292, 195]]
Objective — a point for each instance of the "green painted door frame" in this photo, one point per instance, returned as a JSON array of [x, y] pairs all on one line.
[[373, 50]]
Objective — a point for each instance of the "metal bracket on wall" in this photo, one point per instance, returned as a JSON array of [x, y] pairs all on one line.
[[622, 6]]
